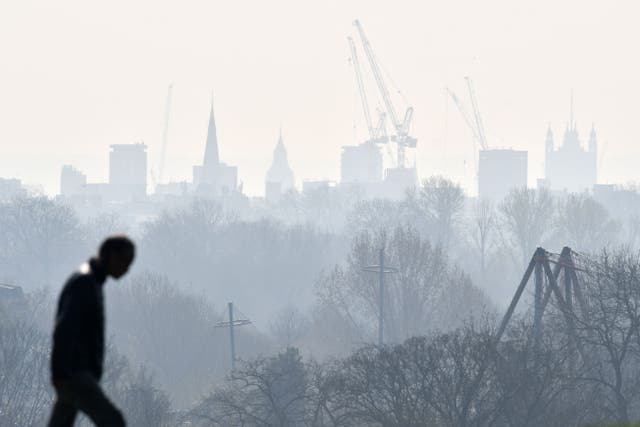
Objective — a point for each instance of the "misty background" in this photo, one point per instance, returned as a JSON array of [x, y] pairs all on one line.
[[298, 262], [77, 77]]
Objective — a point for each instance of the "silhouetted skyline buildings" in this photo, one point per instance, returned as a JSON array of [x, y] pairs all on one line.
[[214, 177], [569, 167], [128, 171], [280, 178]]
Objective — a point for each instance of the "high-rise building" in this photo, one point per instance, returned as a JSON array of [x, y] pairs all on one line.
[[128, 171], [72, 181], [279, 178], [500, 171], [571, 167], [214, 177], [398, 180], [361, 164]]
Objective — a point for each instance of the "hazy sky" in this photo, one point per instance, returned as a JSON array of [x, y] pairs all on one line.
[[77, 76]]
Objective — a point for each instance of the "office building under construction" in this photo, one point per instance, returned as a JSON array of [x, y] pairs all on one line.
[[499, 170], [363, 165]]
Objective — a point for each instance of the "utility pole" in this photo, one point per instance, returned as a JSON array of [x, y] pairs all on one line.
[[231, 324], [381, 270]]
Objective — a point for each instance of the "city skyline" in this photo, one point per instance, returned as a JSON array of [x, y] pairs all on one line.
[[65, 103]]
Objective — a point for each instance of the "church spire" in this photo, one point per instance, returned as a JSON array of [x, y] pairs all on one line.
[[280, 172], [211, 156], [549, 140], [572, 125], [593, 139]]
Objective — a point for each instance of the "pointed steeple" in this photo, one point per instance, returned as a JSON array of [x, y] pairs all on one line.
[[549, 140], [571, 138], [280, 151], [211, 157], [280, 171], [593, 140], [572, 125]]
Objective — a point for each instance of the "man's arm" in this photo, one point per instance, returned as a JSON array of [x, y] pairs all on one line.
[[69, 322]]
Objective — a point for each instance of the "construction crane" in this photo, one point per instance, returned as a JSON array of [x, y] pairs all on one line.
[[464, 113], [476, 114], [475, 122], [401, 136], [165, 133], [377, 134]]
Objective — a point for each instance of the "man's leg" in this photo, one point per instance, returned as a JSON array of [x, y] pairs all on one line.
[[89, 398], [63, 414]]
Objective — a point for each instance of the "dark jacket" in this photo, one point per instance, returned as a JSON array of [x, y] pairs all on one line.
[[78, 336]]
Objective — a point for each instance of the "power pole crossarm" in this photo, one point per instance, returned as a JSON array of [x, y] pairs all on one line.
[[381, 269], [231, 324]]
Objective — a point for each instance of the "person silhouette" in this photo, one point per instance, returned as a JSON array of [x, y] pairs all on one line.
[[78, 338]]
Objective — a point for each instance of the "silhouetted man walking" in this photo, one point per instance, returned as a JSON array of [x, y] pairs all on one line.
[[78, 338]]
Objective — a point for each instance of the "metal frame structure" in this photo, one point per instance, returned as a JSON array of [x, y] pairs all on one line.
[[546, 284], [401, 135]]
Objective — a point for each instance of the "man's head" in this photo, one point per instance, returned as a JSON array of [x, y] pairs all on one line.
[[116, 254]]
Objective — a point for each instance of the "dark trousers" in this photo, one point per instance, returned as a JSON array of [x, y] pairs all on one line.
[[82, 392]]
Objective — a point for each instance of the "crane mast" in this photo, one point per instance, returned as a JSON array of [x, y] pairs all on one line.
[[363, 95], [464, 113], [476, 114], [377, 134], [377, 74], [165, 132], [402, 138]]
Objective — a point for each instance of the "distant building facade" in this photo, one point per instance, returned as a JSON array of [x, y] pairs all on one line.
[[214, 177], [571, 167], [500, 171], [361, 164], [128, 171], [10, 188], [72, 181], [314, 186], [398, 180], [279, 177]]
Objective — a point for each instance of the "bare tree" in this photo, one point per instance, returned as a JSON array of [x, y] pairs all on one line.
[[526, 217], [482, 230], [414, 297], [25, 394], [441, 201], [264, 392], [584, 224], [144, 403], [609, 326], [173, 333], [40, 241], [376, 216], [102, 225], [288, 326]]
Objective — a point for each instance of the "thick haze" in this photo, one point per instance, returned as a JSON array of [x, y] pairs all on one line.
[[79, 76]]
